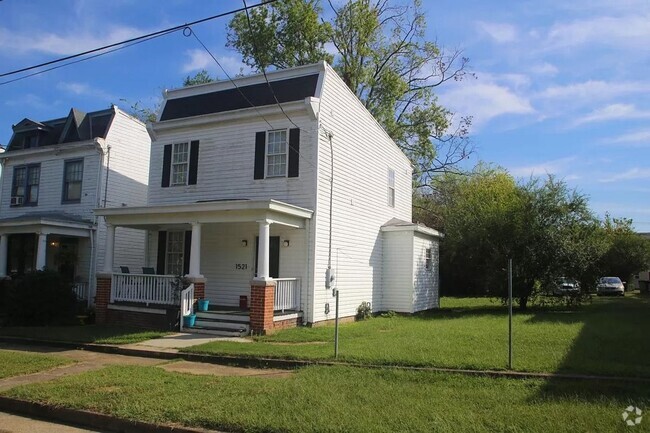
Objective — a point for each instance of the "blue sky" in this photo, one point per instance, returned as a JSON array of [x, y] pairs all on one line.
[[561, 87]]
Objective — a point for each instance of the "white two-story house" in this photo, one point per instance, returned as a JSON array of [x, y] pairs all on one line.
[[54, 173], [269, 196]]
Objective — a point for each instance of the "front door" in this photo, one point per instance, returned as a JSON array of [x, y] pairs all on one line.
[[274, 255]]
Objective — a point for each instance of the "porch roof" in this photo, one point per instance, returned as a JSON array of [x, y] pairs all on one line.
[[48, 223], [153, 217]]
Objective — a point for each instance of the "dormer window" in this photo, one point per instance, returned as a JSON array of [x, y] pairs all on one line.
[[30, 141]]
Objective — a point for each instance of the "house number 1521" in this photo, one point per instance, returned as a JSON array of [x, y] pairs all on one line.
[[241, 266]]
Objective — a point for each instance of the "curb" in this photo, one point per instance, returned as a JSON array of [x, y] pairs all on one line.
[[89, 419], [291, 364]]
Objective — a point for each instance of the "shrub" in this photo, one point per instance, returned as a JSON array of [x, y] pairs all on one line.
[[364, 311], [40, 298], [389, 314]]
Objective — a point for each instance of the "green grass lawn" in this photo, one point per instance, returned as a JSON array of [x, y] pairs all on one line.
[[329, 399], [609, 336], [101, 334], [18, 363]]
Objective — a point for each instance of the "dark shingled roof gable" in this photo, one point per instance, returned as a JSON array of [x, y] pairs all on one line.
[[292, 89]]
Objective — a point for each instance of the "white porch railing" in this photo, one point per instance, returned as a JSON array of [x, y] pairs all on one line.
[[81, 290], [287, 294], [143, 288], [187, 303]]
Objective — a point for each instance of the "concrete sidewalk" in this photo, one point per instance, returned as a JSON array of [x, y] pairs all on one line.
[[22, 424], [171, 343]]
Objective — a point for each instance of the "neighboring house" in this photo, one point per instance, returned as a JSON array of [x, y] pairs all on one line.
[[54, 173], [244, 200]]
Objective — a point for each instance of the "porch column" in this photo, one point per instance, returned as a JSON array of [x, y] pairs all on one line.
[[4, 242], [263, 252], [41, 250], [195, 251], [110, 245]]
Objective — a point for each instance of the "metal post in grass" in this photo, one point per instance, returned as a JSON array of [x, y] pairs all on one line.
[[510, 314], [336, 325]]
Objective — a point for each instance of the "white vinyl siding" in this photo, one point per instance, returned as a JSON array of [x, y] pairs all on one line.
[[426, 284], [362, 152], [227, 162]]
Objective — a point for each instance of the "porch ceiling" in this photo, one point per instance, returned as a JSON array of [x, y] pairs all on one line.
[[154, 217]]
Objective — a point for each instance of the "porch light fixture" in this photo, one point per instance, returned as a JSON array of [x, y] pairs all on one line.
[[54, 244], [286, 242], [244, 243]]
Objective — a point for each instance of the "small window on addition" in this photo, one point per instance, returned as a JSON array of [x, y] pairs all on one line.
[[391, 187], [428, 258]]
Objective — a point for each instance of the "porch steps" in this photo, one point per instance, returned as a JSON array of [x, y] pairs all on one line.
[[227, 325]]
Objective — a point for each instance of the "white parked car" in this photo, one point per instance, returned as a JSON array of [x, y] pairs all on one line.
[[610, 286]]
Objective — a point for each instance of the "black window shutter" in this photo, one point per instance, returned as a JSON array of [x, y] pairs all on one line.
[[194, 162], [186, 252], [167, 163], [260, 152], [294, 151], [162, 252]]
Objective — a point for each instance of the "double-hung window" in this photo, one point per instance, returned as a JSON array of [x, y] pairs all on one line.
[[24, 190], [391, 187], [276, 153], [428, 259], [174, 254], [72, 180], [180, 163]]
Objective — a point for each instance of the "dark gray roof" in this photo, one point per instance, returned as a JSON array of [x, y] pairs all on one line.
[[292, 89], [77, 126], [50, 216]]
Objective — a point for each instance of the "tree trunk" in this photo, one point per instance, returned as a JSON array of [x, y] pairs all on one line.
[[523, 303]]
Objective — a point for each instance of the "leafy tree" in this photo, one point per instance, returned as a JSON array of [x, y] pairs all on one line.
[[286, 34], [201, 77], [627, 252], [384, 58]]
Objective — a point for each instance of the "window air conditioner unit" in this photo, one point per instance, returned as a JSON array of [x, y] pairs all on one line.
[[16, 200]]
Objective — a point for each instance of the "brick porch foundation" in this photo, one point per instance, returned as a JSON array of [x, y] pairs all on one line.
[[102, 297], [261, 306]]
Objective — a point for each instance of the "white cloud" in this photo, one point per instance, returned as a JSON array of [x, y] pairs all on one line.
[[83, 89], [613, 112], [544, 69], [556, 166], [500, 32], [199, 59], [631, 174], [594, 89], [635, 139], [65, 44], [485, 101], [628, 32]]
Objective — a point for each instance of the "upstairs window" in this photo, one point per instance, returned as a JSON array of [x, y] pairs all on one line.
[[72, 179], [180, 164], [427, 258], [276, 154], [391, 187], [24, 191]]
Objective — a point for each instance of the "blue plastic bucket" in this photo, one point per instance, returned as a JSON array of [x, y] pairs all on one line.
[[203, 304], [189, 321]]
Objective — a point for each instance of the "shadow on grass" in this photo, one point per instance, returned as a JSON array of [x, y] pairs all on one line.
[[100, 334], [613, 341]]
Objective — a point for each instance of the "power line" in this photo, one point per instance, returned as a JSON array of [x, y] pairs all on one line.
[[250, 29], [138, 38], [82, 60]]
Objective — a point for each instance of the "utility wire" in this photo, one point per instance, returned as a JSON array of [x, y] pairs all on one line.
[[138, 38], [250, 29], [193, 33], [83, 59]]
